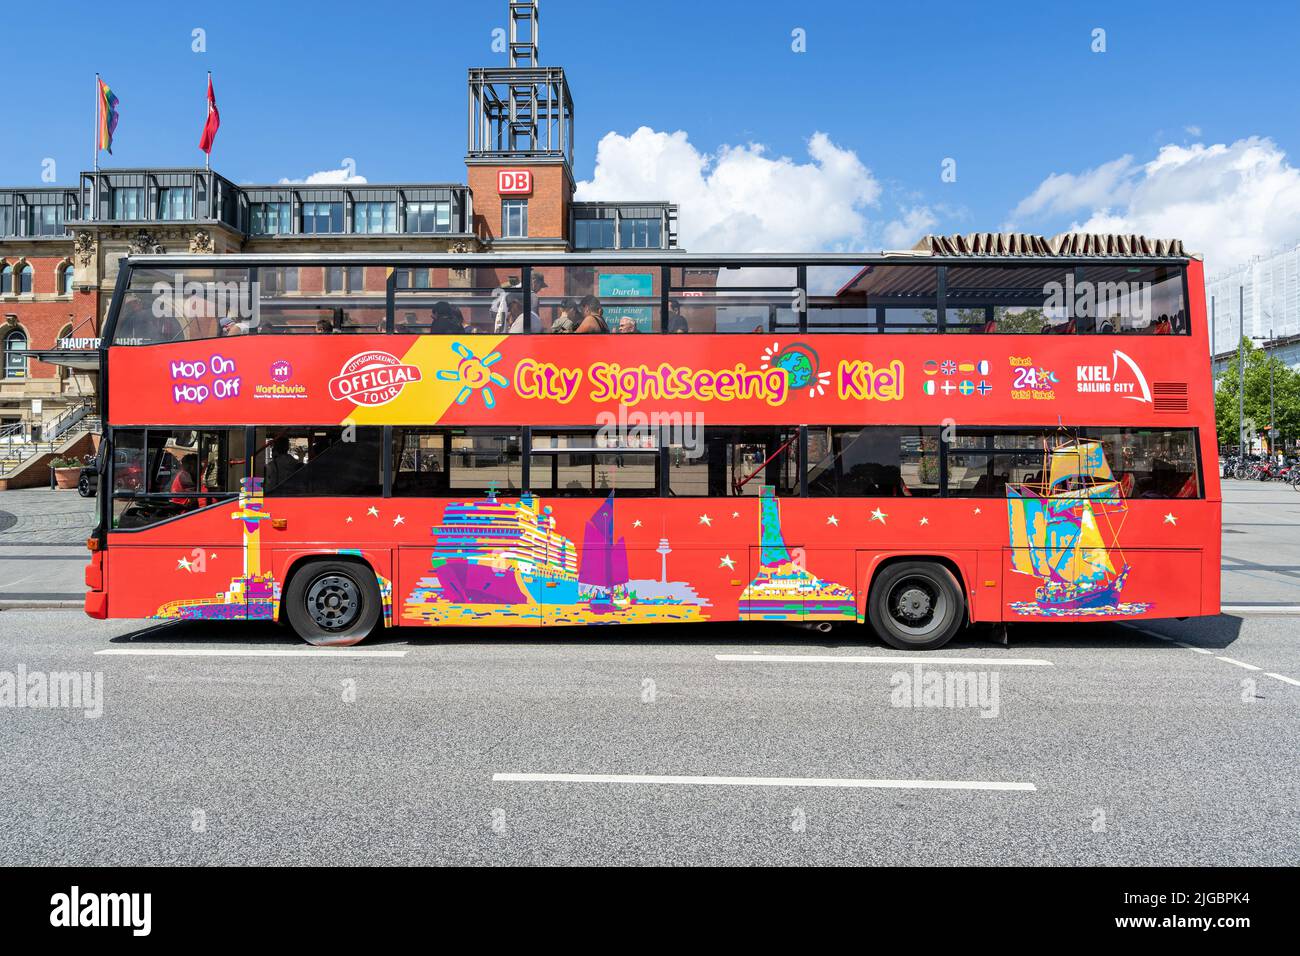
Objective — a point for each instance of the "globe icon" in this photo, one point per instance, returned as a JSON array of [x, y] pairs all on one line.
[[798, 367]]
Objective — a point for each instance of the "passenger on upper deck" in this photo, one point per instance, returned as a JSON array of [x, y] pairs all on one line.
[[627, 324], [515, 314], [567, 317], [445, 321], [593, 316], [676, 321]]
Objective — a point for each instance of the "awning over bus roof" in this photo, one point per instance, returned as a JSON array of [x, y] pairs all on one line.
[[1064, 244]]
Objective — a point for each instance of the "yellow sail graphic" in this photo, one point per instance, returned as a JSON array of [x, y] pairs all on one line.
[[1079, 459]]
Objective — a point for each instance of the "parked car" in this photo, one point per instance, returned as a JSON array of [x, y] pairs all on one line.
[[88, 480]]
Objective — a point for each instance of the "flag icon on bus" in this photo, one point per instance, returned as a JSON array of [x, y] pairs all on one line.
[[928, 386]]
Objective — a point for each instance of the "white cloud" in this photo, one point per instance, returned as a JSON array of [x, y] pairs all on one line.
[[739, 199], [345, 174], [1229, 202], [1192, 130]]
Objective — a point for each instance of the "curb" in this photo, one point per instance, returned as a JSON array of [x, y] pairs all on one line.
[[29, 605]]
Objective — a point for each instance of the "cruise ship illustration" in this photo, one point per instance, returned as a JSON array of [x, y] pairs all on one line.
[[488, 551]]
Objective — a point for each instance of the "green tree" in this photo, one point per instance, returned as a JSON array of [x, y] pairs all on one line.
[[1286, 398]]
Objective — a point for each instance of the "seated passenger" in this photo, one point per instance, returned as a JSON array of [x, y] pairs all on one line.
[[1162, 326], [593, 316], [627, 324], [183, 481], [445, 321], [324, 326], [567, 317], [676, 321], [515, 313]]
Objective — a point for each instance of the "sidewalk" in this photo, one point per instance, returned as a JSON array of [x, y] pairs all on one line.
[[43, 547], [42, 516]]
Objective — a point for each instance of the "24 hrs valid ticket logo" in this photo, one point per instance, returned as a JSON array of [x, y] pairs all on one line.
[[372, 378]]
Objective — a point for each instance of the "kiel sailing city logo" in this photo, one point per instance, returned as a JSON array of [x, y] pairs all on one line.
[[1121, 377], [372, 378]]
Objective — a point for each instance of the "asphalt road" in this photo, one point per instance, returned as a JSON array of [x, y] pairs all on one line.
[[1167, 743], [1138, 750]]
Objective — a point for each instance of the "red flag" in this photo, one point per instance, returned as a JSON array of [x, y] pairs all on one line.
[[213, 123]]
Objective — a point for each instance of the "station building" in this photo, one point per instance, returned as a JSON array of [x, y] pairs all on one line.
[[60, 246]]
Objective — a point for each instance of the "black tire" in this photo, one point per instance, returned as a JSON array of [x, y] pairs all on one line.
[[332, 603], [85, 487], [916, 605]]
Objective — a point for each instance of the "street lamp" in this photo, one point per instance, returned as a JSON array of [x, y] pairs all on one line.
[[1268, 355]]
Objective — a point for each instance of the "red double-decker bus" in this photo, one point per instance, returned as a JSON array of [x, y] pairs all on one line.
[[910, 441]]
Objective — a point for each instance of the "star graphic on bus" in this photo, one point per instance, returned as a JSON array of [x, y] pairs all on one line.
[[1171, 519], [879, 515], [474, 374], [727, 563]]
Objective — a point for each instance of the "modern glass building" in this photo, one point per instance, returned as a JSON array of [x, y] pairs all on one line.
[[1270, 287]]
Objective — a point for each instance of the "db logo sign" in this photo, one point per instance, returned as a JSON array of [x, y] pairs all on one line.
[[514, 182], [372, 378]]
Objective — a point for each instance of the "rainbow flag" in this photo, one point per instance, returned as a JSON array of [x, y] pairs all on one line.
[[107, 117]]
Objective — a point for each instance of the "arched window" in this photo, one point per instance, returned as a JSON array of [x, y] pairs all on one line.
[[25, 280], [6, 279], [65, 279], [16, 354]]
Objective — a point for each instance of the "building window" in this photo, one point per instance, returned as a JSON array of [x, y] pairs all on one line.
[[25, 280], [44, 220], [639, 233], [16, 354], [6, 279], [320, 217], [128, 203], [356, 278], [6, 220], [428, 217], [334, 279], [65, 279], [514, 218], [270, 218], [176, 202], [374, 217], [593, 234]]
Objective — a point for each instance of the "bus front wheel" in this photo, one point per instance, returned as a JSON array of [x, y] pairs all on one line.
[[333, 603], [915, 605]]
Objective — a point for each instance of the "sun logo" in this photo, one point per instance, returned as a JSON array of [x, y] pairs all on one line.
[[801, 364], [474, 374]]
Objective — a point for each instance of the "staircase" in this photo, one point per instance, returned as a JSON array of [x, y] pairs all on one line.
[[17, 455]]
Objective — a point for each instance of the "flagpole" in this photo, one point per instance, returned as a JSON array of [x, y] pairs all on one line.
[[94, 179], [207, 153]]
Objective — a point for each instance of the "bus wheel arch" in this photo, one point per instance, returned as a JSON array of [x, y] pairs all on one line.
[[331, 600], [916, 601]]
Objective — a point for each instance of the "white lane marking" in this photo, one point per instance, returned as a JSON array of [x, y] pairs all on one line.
[[1284, 609], [845, 659], [1171, 640], [1230, 660], [261, 652], [1283, 677], [672, 780]]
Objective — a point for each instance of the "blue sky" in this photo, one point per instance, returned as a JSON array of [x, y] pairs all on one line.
[[1011, 91]]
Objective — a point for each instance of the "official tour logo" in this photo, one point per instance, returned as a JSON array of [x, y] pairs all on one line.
[[281, 371], [372, 378]]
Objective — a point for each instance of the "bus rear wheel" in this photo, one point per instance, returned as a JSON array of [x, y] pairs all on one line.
[[915, 605], [333, 603]]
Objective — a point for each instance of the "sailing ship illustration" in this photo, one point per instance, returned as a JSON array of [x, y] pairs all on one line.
[[602, 576], [783, 589], [1064, 530]]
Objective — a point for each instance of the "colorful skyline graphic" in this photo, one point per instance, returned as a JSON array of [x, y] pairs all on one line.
[[253, 595], [497, 562], [783, 589]]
